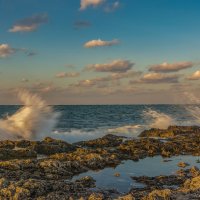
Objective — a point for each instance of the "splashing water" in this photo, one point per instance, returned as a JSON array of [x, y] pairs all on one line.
[[194, 110], [33, 121], [158, 119]]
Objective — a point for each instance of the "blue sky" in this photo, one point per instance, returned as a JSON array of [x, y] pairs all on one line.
[[43, 49]]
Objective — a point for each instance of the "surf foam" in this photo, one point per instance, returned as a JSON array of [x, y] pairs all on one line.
[[34, 120]]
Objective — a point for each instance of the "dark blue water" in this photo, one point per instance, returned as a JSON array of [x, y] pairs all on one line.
[[87, 122]]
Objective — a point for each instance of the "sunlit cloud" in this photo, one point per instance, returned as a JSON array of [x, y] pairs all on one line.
[[100, 43], [194, 76], [87, 3], [6, 50], [174, 67], [157, 78], [114, 66], [106, 81], [67, 74], [29, 24]]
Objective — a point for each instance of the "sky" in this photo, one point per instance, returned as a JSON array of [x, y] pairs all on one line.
[[100, 51]]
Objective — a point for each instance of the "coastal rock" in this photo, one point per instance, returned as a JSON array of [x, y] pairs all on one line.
[[106, 141], [126, 197], [7, 144], [51, 146], [171, 131], [158, 195], [182, 164], [7, 154], [191, 184]]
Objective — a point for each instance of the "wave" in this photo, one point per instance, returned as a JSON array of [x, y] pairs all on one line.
[[34, 120], [157, 119], [132, 130]]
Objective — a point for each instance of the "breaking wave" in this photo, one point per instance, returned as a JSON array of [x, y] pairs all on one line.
[[132, 130], [158, 119], [33, 121]]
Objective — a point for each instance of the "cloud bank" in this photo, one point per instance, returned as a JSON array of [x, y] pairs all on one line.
[[119, 66], [174, 67], [158, 78]]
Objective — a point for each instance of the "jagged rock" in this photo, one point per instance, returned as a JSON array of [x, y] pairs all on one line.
[[7, 154], [182, 164], [106, 141], [126, 197], [97, 196], [51, 146], [171, 131], [191, 184], [7, 144], [158, 195]]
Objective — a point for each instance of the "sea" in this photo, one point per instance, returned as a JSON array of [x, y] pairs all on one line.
[[85, 122], [74, 123]]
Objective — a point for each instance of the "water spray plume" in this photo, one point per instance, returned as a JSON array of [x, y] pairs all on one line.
[[33, 121], [158, 119]]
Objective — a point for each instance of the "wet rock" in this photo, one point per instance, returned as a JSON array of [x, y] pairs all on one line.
[[194, 171], [117, 174], [182, 164], [96, 196], [51, 146], [42, 189], [160, 181], [23, 143], [7, 144], [7, 154], [171, 131], [126, 197], [106, 141], [191, 184], [158, 195]]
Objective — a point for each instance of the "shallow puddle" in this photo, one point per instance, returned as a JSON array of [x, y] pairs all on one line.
[[155, 166]]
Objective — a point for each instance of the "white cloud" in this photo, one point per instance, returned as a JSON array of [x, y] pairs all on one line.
[[157, 78], [29, 24], [114, 66], [100, 43], [174, 67], [195, 76], [6, 50], [67, 75], [86, 3]]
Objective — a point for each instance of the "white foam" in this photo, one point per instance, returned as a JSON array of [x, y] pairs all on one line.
[[128, 129], [158, 119], [34, 120]]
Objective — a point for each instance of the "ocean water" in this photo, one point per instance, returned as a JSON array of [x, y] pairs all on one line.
[[84, 122]]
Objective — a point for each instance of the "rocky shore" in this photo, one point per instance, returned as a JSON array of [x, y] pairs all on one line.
[[44, 169]]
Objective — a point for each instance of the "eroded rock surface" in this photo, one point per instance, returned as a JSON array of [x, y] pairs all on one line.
[[23, 176]]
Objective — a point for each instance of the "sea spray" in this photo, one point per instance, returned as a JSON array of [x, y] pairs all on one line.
[[157, 119], [34, 120], [193, 107]]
